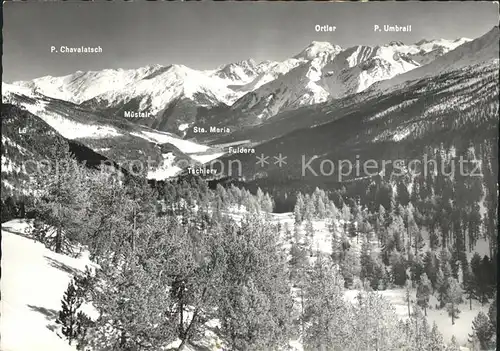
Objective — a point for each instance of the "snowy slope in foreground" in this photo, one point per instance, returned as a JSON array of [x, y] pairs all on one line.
[[34, 280]]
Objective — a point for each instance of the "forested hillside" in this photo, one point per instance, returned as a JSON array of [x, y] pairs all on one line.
[[182, 265]]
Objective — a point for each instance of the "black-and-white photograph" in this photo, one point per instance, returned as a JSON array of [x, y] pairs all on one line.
[[249, 176]]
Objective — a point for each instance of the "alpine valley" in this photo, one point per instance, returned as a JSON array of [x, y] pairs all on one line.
[[339, 199], [356, 91]]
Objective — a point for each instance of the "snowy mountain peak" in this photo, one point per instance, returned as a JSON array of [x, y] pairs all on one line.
[[81, 86], [482, 50], [318, 49], [424, 51]]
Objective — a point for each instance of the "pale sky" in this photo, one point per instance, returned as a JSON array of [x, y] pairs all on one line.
[[204, 35]]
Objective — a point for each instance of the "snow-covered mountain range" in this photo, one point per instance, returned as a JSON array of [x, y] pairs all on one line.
[[478, 51], [174, 94], [81, 86], [259, 101]]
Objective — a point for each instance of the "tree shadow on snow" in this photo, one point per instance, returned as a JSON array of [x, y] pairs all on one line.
[[48, 313], [52, 327], [13, 230], [61, 266]]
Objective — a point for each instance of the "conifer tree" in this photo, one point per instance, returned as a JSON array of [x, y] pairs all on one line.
[[67, 318], [309, 228], [353, 231], [436, 341], [376, 325], [475, 267], [268, 203], [492, 315], [416, 268], [402, 196], [485, 279], [474, 343], [288, 232], [298, 264], [221, 193], [379, 278], [74, 323], [310, 208], [297, 236], [424, 291], [421, 333], [366, 262], [254, 302], [134, 309], [332, 211], [482, 330], [326, 312], [444, 260], [430, 267], [61, 200], [105, 224], [442, 288], [381, 224], [84, 323], [398, 269], [299, 209], [320, 208], [469, 284], [350, 267], [454, 299], [337, 249], [454, 346], [346, 218], [433, 239]]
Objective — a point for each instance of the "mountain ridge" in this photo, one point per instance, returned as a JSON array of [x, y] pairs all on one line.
[[173, 94]]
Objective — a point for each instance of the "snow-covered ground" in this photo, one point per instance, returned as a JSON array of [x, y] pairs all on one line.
[[185, 146], [9, 89], [206, 157], [166, 169], [463, 325], [33, 282], [68, 128]]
